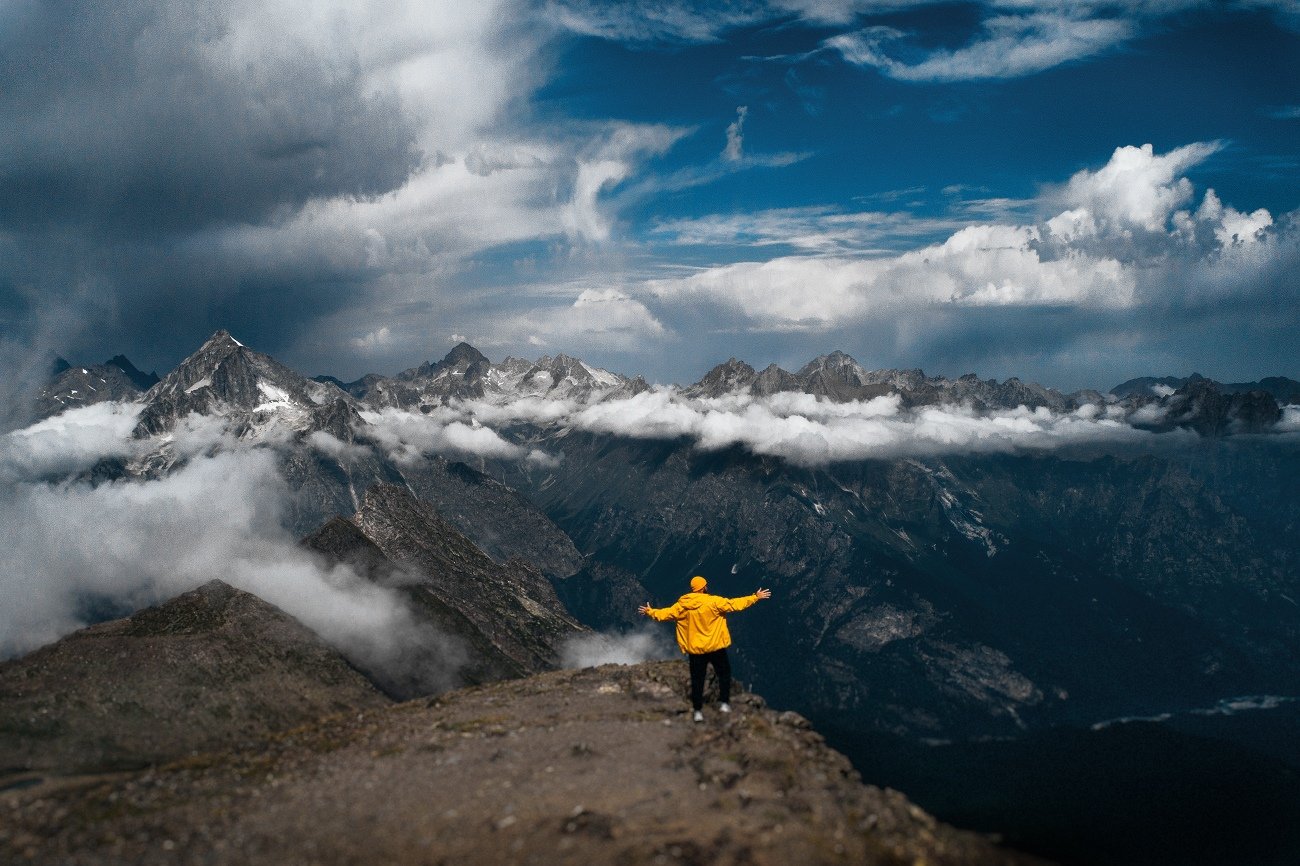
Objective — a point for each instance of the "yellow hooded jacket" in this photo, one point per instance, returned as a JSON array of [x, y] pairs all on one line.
[[702, 620]]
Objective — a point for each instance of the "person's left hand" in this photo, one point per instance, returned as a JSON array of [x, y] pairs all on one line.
[[644, 609], [764, 593]]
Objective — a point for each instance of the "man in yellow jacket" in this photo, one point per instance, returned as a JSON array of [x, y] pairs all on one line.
[[703, 635]]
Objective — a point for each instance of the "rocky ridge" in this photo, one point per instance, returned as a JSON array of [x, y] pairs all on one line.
[[575, 767], [212, 668], [512, 603], [486, 620]]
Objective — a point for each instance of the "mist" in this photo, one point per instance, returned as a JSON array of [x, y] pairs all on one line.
[[630, 648], [77, 550]]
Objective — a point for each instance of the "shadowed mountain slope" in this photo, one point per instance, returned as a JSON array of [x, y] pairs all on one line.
[[211, 668], [510, 603]]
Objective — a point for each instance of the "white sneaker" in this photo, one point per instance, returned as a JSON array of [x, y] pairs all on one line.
[[699, 716], [726, 708]]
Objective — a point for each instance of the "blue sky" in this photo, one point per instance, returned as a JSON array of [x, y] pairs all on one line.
[[1071, 192]]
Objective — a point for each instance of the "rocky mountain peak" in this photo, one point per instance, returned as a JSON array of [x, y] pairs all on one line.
[[226, 377], [461, 357], [564, 375], [839, 363], [726, 378], [142, 381], [70, 387]]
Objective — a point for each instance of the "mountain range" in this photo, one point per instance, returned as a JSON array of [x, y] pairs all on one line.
[[466, 373], [936, 595]]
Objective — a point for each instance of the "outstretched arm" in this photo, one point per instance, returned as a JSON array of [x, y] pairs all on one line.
[[731, 605], [662, 614]]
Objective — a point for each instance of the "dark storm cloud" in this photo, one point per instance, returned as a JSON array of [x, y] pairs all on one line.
[[138, 138], [136, 116]]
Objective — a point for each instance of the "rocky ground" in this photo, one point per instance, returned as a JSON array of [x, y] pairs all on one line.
[[601, 765]]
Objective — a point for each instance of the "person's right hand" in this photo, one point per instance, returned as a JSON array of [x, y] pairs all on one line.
[[764, 593], [644, 609]]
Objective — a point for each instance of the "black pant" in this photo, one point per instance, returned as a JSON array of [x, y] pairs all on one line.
[[699, 667]]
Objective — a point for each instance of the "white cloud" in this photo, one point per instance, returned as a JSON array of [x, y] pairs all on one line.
[[1137, 188], [599, 318], [976, 266], [1009, 46], [410, 436], [683, 21], [70, 442], [810, 431], [608, 164], [820, 229], [374, 340], [735, 136], [1123, 235], [327, 443], [805, 434], [1230, 225]]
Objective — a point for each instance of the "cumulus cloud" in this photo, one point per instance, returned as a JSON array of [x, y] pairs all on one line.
[[72, 547], [1123, 236], [601, 318], [1137, 188], [375, 339]]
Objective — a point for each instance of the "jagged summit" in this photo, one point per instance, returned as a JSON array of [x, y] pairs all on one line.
[[115, 379], [458, 362], [730, 377], [226, 377]]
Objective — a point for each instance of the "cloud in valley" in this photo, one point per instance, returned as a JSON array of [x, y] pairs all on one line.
[[73, 547], [592, 650]]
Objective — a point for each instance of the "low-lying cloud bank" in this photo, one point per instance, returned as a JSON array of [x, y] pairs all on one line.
[[809, 431], [76, 549]]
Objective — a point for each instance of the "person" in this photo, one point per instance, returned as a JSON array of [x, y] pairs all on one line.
[[702, 634]]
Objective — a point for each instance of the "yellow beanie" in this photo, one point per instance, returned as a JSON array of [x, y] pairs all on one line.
[[698, 583]]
